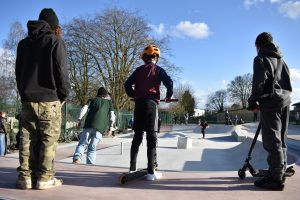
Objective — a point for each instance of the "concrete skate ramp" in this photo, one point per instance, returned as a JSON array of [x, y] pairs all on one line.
[[232, 159], [218, 152]]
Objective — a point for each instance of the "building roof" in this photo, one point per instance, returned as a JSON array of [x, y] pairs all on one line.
[[296, 104]]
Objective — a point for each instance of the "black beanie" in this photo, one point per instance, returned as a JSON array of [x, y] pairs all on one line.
[[102, 92], [48, 15], [263, 39]]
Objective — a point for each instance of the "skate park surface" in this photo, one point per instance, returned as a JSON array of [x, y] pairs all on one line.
[[207, 170]]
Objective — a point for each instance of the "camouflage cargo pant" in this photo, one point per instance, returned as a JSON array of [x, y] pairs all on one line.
[[41, 125]]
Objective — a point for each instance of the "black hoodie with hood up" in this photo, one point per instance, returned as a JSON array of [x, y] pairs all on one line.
[[267, 64], [41, 65]]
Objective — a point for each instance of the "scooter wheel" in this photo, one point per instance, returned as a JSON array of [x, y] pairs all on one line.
[[122, 179], [242, 173], [290, 171]]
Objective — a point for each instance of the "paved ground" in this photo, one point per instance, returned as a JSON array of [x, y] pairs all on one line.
[[206, 171]]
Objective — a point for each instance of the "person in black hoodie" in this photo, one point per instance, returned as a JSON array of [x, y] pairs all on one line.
[[43, 85], [146, 93], [271, 94]]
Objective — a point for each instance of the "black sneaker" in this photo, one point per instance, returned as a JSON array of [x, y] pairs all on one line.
[[269, 183], [132, 169]]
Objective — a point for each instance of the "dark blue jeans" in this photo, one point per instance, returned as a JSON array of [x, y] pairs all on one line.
[[2, 144]]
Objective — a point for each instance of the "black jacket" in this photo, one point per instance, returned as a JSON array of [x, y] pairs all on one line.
[[268, 60], [41, 65], [2, 127]]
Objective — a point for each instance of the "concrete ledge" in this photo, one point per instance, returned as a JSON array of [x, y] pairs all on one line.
[[127, 130], [239, 134], [294, 144], [184, 143]]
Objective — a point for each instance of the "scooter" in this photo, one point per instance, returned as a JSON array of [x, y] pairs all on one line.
[[261, 172], [125, 177]]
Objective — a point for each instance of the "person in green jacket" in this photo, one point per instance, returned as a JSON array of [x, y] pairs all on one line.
[[96, 123]]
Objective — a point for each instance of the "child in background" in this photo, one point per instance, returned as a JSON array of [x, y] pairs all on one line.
[[97, 122], [203, 125]]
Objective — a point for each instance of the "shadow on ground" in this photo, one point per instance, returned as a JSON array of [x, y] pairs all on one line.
[[87, 178], [232, 159]]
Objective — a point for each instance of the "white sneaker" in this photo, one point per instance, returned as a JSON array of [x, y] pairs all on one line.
[[24, 184], [153, 177], [54, 182], [132, 171]]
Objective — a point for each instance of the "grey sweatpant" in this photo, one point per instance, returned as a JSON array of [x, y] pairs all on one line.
[[274, 132]]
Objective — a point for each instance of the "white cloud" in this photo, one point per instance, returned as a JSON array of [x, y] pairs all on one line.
[[290, 9], [275, 1], [159, 29], [201, 96], [295, 75], [1, 50], [249, 3], [296, 95], [224, 84], [183, 29], [193, 30], [295, 78]]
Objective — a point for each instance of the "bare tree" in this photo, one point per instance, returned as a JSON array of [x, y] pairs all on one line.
[[240, 89], [8, 59], [104, 50], [216, 100], [16, 34], [6, 88], [179, 90], [83, 76]]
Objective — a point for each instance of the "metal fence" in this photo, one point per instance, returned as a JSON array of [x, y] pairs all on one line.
[[123, 117], [71, 112], [244, 114]]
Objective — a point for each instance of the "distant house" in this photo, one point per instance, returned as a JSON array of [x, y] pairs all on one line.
[[198, 112], [296, 106]]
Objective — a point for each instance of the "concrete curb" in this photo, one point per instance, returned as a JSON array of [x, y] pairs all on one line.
[[293, 144], [241, 135]]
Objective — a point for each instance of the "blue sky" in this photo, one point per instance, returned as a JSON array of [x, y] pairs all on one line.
[[211, 40]]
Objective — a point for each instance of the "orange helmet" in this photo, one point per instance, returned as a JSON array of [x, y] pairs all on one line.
[[151, 50]]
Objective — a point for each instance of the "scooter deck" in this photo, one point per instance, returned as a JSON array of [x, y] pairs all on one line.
[[125, 177]]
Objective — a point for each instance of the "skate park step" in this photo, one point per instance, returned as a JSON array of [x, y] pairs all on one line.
[[184, 143]]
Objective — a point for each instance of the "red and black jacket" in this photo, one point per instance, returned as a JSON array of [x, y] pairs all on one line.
[[146, 80]]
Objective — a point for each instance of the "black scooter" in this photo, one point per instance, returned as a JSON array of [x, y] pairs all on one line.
[[262, 172]]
